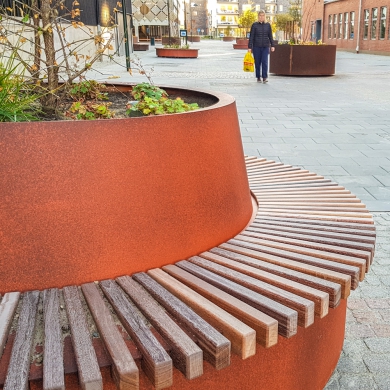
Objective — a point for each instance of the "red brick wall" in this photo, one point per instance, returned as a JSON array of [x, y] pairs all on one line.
[[318, 10]]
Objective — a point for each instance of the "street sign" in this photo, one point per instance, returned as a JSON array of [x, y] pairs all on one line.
[[183, 33], [198, 30]]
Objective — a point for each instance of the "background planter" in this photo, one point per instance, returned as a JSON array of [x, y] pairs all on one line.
[[241, 43], [91, 200], [228, 39], [177, 53], [193, 38], [303, 60], [174, 41]]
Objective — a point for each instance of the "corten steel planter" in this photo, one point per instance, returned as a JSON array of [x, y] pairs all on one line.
[[241, 44], [228, 39], [172, 41], [91, 200], [194, 38], [177, 53], [303, 60]]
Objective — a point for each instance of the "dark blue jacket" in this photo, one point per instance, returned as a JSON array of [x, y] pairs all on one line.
[[261, 35]]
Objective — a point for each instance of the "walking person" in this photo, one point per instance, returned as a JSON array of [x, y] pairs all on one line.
[[260, 41]]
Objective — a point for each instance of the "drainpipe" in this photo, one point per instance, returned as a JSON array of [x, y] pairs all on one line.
[[358, 36]]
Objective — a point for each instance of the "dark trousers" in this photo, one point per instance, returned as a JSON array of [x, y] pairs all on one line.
[[260, 55]]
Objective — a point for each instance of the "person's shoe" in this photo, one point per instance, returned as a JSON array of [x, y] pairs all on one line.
[[265, 81], [259, 80]]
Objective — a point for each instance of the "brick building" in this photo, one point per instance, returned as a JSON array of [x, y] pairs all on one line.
[[355, 25]]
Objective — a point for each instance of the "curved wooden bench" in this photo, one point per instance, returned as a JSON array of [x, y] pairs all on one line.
[[274, 295]]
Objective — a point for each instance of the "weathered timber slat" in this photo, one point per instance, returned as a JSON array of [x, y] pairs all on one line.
[[355, 258], [339, 236], [265, 326], [8, 306], [156, 362], [363, 228], [241, 336], [125, 371], [352, 271], [240, 255], [90, 377], [251, 250], [286, 317], [186, 355], [320, 298], [19, 366], [303, 306], [53, 365], [216, 347]]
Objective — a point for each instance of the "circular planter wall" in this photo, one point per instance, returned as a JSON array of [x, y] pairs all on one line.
[[303, 60], [173, 41], [177, 53], [241, 44], [90, 200], [228, 39], [193, 38]]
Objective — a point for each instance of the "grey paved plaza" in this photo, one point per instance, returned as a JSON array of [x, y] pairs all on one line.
[[337, 126]]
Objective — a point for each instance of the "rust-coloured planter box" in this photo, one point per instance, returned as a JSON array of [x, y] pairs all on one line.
[[173, 41], [194, 38], [303, 60], [228, 39], [241, 44], [177, 53], [91, 200]]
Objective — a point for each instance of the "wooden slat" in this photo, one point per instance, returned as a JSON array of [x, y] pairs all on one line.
[[19, 366], [216, 347], [53, 366], [232, 252], [88, 368], [303, 306], [241, 336], [156, 362], [320, 298], [8, 306], [253, 251], [286, 317], [125, 371], [339, 235], [186, 355], [363, 228], [344, 255], [354, 267], [265, 326]]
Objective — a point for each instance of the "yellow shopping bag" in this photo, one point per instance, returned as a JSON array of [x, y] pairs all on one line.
[[249, 62]]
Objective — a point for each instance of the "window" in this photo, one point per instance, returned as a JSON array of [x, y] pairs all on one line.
[[281, 8], [366, 19], [330, 26], [351, 25], [382, 28], [346, 25], [258, 7], [340, 33], [334, 26], [374, 19]]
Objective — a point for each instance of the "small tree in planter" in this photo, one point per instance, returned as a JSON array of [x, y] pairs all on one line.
[[39, 24], [246, 19]]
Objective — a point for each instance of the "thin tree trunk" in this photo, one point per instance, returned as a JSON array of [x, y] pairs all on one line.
[[52, 68]]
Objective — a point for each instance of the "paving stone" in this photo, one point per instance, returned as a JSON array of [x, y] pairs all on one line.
[[351, 364], [381, 330], [378, 344], [379, 363], [358, 331], [383, 382], [357, 382]]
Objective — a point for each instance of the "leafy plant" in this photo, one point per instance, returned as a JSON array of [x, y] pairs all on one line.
[[89, 110], [88, 89], [187, 46], [143, 90], [164, 105], [17, 101]]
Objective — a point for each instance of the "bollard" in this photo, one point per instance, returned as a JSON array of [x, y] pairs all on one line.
[[151, 41]]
